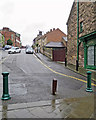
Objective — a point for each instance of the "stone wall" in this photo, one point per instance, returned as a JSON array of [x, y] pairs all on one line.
[[72, 36], [87, 15]]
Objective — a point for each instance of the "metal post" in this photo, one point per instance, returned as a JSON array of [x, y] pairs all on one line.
[[5, 95], [76, 65], [89, 89], [54, 86], [77, 61], [65, 61]]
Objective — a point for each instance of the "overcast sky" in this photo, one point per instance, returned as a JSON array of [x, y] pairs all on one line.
[[27, 17]]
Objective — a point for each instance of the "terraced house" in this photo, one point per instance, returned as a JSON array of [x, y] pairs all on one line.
[[81, 25], [10, 34]]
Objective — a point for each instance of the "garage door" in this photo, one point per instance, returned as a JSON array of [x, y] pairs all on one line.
[[58, 54]]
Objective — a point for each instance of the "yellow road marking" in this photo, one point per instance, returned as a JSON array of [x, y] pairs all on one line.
[[65, 74]]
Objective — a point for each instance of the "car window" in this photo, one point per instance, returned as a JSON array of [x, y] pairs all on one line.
[[30, 48], [13, 48]]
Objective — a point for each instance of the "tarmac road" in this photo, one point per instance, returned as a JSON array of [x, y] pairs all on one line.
[[31, 81]]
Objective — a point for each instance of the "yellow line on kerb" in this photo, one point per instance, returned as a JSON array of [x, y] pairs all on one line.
[[65, 74]]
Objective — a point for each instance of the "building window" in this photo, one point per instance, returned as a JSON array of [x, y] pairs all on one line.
[[91, 58], [81, 27], [12, 36]]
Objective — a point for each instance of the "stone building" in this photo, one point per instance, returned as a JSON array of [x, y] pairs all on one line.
[[13, 36], [52, 44], [87, 34]]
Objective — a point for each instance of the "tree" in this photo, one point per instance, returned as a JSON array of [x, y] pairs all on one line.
[[9, 42]]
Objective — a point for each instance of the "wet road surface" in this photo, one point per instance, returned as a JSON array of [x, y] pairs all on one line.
[[31, 81], [30, 88]]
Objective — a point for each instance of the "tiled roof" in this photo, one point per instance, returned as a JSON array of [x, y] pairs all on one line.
[[54, 45]]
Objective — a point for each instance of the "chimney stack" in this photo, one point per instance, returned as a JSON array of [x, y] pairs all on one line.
[[40, 32], [5, 28]]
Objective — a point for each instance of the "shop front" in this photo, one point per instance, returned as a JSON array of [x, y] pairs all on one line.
[[89, 42]]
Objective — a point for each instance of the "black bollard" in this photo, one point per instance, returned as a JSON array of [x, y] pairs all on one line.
[[77, 65], [65, 61]]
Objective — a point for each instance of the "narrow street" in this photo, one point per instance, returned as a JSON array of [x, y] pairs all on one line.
[[30, 88], [30, 80]]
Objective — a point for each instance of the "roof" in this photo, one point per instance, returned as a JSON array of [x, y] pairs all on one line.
[[17, 34], [55, 45], [64, 38]]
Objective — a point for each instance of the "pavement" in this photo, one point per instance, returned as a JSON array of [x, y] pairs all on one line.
[[61, 108], [81, 107], [80, 71]]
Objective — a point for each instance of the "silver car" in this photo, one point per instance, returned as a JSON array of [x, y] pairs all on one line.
[[29, 50], [14, 50]]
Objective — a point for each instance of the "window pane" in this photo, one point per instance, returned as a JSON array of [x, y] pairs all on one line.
[[81, 26], [90, 55]]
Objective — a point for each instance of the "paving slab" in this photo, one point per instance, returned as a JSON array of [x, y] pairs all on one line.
[[82, 107]]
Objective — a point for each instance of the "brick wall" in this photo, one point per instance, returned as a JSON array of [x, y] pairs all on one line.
[[18, 42], [87, 15], [7, 35]]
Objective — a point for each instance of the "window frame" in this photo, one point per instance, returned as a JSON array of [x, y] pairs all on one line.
[[94, 55], [81, 26]]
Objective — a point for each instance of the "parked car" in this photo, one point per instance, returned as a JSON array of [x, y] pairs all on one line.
[[29, 50], [14, 50], [7, 47]]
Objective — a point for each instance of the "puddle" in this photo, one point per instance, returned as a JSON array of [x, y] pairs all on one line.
[[4, 109]]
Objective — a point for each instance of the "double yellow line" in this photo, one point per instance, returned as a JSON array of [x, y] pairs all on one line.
[[65, 74]]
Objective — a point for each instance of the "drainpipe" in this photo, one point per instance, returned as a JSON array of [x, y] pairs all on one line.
[[77, 61]]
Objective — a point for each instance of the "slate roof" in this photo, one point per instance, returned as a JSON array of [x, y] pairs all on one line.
[[64, 38], [55, 45]]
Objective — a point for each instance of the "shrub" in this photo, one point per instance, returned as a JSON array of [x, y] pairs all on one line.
[[9, 42]]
